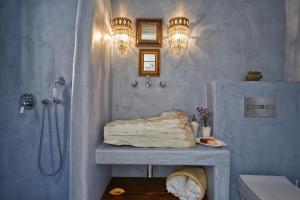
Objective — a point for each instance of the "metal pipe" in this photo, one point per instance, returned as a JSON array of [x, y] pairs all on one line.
[[149, 171]]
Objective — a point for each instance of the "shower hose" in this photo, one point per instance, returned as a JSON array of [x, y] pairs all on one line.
[[56, 171]]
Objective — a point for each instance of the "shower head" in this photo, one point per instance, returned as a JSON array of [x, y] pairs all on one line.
[[60, 81]]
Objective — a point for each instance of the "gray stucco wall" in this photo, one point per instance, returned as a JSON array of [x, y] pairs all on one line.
[[228, 38], [267, 146], [36, 39], [91, 100], [292, 58]]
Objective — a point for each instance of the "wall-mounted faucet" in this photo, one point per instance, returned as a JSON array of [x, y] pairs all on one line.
[[148, 82]]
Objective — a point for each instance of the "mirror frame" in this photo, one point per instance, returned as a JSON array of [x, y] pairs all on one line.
[[149, 43], [156, 72]]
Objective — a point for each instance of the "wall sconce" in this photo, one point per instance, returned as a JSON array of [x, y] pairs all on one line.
[[178, 34], [122, 34]]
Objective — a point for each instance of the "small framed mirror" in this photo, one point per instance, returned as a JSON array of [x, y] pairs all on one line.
[[148, 32], [149, 62]]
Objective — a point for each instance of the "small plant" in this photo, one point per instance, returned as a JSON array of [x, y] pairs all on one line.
[[204, 115], [254, 76]]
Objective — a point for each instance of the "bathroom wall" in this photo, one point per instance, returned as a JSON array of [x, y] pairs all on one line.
[[292, 58], [267, 146], [36, 39], [91, 99], [228, 38]]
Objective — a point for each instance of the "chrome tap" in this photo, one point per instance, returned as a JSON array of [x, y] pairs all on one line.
[[148, 82]]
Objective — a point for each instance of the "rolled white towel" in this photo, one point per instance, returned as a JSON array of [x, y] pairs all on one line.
[[184, 187], [176, 185], [192, 189], [187, 183]]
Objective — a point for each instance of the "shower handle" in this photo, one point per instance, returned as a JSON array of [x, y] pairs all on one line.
[[27, 102]]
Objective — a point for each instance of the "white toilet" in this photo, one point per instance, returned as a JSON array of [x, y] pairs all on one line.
[[252, 187]]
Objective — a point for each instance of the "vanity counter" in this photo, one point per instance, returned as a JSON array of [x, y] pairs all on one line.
[[200, 155], [215, 160]]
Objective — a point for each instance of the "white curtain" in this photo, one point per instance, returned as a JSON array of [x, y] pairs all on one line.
[[292, 56]]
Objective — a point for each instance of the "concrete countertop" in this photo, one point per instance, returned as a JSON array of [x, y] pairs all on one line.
[[200, 155]]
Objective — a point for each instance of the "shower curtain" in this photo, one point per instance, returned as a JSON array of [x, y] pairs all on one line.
[[292, 56]]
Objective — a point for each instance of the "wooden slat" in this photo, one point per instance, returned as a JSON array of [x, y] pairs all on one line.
[[139, 189]]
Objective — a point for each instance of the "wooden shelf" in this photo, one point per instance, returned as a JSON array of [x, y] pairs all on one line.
[[139, 189]]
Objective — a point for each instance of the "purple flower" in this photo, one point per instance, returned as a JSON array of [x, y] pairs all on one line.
[[204, 114]]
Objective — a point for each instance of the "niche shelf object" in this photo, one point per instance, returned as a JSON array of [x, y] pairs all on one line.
[[216, 161]]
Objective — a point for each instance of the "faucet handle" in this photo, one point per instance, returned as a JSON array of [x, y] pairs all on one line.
[[27, 102], [22, 110], [148, 81]]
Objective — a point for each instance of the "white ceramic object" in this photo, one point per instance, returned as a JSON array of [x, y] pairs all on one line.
[[195, 126], [206, 131], [220, 143]]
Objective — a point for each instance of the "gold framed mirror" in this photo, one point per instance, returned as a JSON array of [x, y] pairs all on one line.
[[148, 32], [149, 62]]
